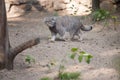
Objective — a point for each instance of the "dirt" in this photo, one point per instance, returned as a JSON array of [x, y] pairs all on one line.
[[103, 45]]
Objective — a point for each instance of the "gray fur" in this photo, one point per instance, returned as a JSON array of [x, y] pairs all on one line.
[[62, 24]]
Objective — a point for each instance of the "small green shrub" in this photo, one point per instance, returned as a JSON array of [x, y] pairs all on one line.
[[45, 78], [105, 15], [29, 59], [80, 55], [100, 15], [69, 75], [62, 75]]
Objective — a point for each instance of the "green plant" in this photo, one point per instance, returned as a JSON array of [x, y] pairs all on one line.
[[75, 52], [100, 15], [69, 76], [46, 78], [80, 55], [29, 59]]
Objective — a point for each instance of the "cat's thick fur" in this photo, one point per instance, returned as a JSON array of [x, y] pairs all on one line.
[[61, 24]]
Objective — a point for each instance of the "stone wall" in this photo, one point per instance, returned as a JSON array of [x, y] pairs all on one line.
[[19, 7], [110, 5], [75, 7]]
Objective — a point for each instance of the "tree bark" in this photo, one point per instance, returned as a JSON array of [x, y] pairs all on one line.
[[3, 34], [7, 54], [95, 4]]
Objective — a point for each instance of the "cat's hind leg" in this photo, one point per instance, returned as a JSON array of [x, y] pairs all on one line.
[[62, 35], [79, 34]]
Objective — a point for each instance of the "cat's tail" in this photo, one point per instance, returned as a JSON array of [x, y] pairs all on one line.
[[86, 28]]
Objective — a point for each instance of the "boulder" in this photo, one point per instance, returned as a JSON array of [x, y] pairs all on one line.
[[7, 7], [107, 5], [65, 1], [19, 7], [58, 5], [46, 3], [17, 1], [43, 3], [18, 10]]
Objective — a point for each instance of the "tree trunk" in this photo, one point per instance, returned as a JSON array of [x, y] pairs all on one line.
[[95, 4], [7, 54]]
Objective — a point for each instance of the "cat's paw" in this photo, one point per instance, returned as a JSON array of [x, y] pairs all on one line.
[[80, 39], [51, 40]]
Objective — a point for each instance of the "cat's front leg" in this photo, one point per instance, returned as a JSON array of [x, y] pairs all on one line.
[[53, 37]]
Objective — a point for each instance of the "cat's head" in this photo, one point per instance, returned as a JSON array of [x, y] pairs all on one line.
[[50, 21]]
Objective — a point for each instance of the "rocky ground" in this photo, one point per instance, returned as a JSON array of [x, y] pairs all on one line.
[[103, 45]]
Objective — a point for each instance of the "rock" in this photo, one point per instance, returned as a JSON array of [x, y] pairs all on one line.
[[26, 7], [84, 2], [50, 4], [46, 3], [18, 10], [12, 1], [37, 6], [65, 1], [107, 5], [78, 8], [15, 11], [113, 1], [7, 6], [59, 6], [43, 3], [21, 1], [13, 7]]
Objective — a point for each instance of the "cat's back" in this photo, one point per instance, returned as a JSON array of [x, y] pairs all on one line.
[[67, 21], [67, 18]]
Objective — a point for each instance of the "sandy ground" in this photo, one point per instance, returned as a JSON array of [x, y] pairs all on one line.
[[104, 46]]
